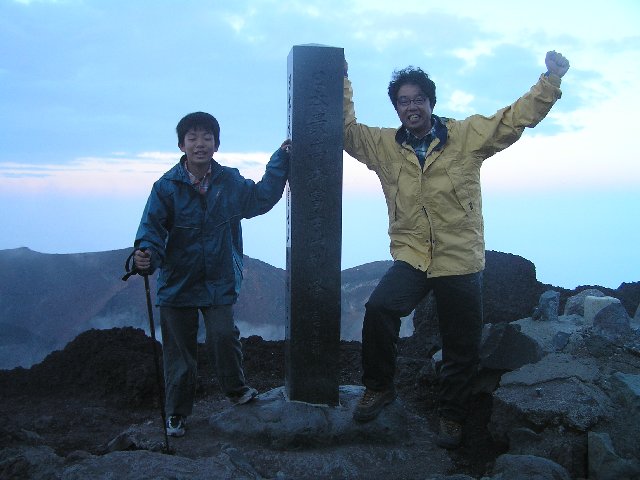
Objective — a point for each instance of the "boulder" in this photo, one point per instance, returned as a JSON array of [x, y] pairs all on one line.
[[624, 390], [575, 304], [613, 322], [426, 326], [593, 304], [144, 465], [527, 467], [504, 347], [554, 335], [547, 309], [273, 421], [549, 392], [606, 464], [560, 445], [627, 391], [33, 462], [545, 409], [635, 321]]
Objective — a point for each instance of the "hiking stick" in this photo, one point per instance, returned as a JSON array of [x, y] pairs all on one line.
[[156, 358], [152, 329]]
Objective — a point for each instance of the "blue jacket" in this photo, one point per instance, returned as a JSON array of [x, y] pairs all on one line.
[[196, 240]]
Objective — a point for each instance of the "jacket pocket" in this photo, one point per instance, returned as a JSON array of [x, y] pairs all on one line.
[[461, 187]]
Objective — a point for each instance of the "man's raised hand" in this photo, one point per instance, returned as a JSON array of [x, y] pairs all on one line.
[[556, 63]]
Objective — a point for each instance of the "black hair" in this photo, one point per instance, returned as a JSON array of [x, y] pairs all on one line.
[[198, 119], [413, 76]]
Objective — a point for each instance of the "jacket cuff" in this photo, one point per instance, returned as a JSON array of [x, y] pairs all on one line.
[[552, 78]]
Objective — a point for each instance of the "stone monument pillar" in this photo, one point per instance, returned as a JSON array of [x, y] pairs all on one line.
[[314, 224]]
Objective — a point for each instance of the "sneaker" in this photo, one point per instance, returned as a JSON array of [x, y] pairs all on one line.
[[449, 434], [176, 425], [248, 395], [372, 403]]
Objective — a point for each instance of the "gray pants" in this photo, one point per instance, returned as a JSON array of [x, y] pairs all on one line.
[[180, 350]]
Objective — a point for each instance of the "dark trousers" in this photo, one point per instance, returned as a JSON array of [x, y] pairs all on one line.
[[459, 305], [180, 353]]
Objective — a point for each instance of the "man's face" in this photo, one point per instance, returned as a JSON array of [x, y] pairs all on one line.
[[199, 146], [414, 109]]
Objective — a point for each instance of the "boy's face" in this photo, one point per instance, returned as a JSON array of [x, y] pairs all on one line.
[[199, 146]]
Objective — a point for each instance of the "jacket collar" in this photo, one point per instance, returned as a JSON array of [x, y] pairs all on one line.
[[179, 174], [439, 131]]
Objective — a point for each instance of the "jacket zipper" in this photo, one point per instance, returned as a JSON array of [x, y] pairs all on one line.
[[203, 206], [431, 240]]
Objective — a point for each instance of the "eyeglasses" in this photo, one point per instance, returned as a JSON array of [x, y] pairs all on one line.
[[405, 102]]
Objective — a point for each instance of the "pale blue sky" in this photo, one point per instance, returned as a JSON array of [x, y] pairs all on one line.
[[91, 91]]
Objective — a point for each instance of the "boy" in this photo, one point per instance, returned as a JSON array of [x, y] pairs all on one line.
[[190, 229]]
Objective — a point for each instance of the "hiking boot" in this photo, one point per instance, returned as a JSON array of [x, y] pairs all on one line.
[[372, 403], [449, 434], [176, 425], [245, 397]]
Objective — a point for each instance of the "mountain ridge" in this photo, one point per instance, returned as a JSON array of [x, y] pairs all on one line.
[[49, 299]]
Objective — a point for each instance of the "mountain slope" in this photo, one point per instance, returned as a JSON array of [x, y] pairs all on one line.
[[46, 300]]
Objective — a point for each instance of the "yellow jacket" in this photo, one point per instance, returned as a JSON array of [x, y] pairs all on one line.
[[435, 213]]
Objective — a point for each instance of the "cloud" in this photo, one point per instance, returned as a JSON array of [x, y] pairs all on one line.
[[600, 88], [29, 2], [460, 102], [381, 38], [536, 163], [120, 174], [124, 175], [572, 160], [470, 55], [236, 22], [358, 179], [546, 19]]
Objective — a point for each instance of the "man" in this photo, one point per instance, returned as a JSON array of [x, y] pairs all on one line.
[[429, 169], [191, 230]]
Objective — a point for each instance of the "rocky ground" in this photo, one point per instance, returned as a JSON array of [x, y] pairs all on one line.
[[81, 398]]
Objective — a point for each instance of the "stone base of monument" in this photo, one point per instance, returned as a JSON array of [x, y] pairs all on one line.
[[274, 422]]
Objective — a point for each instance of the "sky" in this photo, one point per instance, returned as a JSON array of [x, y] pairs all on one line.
[[91, 91]]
